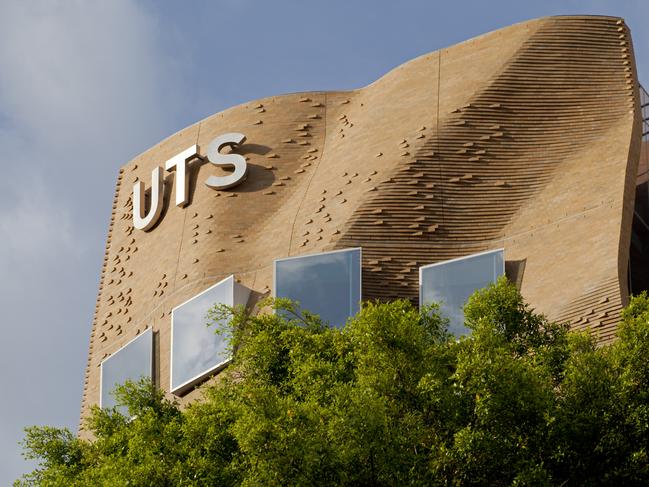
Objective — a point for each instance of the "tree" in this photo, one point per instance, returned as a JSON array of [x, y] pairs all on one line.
[[389, 399]]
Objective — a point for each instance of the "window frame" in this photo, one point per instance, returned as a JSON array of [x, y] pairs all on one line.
[[457, 259], [313, 254], [116, 352], [183, 388]]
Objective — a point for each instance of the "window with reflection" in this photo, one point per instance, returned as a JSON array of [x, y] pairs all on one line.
[[450, 283], [131, 362], [196, 349], [327, 284]]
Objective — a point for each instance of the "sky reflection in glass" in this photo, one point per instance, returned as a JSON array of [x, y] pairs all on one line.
[[451, 283], [131, 362], [196, 350], [327, 284]]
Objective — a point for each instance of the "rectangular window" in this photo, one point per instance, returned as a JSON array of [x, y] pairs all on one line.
[[327, 284], [196, 350], [131, 362], [451, 282]]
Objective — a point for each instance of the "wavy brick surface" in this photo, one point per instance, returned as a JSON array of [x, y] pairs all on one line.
[[526, 139]]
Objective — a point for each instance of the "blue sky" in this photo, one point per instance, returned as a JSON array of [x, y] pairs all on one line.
[[87, 85]]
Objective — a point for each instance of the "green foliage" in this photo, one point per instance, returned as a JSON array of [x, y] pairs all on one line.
[[389, 399]]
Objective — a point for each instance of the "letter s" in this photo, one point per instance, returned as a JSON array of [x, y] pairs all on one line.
[[215, 157]]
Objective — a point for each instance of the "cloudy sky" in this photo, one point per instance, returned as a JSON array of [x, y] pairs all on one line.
[[87, 85]]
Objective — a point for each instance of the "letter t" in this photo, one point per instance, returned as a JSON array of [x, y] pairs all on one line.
[[179, 161]]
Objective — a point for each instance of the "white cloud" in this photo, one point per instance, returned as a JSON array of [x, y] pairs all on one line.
[[84, 86], [78, 73], [33, 227]]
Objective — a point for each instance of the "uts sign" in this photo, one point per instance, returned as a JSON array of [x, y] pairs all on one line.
[[143, 220]]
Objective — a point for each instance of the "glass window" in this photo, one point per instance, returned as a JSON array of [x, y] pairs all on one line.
[[131, 362], [450, 283], [196, 349], [327, 284]]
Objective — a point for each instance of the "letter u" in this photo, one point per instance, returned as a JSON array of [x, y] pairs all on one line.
[[157, 187]]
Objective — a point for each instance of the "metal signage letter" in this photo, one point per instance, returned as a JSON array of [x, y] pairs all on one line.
[[157, 187], [179, 161], [238, 161], [143, 220]]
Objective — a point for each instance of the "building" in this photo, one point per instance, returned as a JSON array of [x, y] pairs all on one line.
[[515, 152]]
